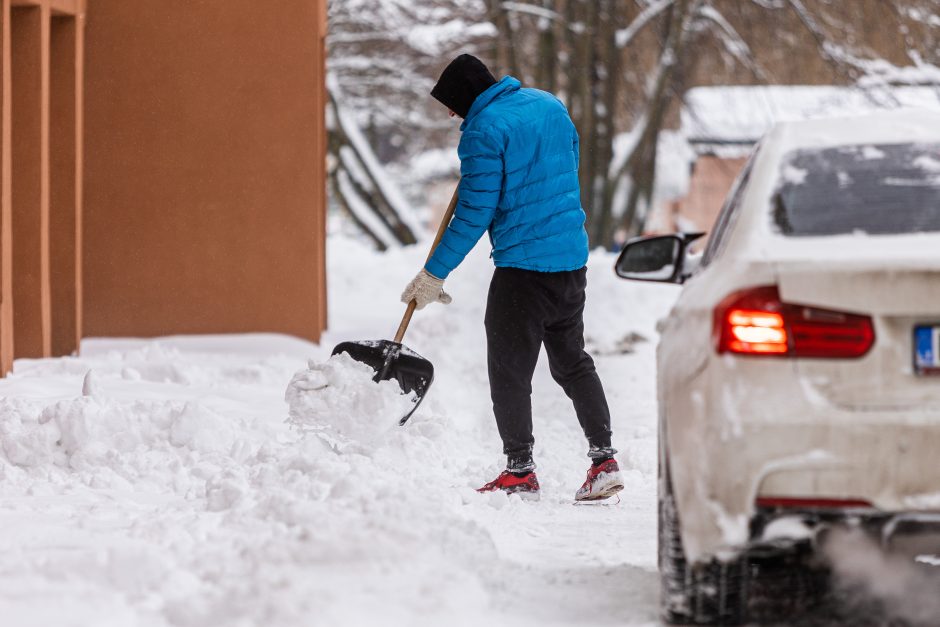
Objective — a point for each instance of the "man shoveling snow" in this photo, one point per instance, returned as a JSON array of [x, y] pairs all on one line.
[[519, 181]]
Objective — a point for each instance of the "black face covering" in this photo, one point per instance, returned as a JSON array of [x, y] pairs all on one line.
[[461, 82]]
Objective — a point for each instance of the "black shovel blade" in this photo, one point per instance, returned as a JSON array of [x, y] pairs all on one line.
[[392, 360]]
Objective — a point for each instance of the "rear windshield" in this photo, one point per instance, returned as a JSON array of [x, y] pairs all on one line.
[[877, 190]]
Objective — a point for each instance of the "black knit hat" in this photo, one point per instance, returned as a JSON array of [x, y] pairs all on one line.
[[461, 82]]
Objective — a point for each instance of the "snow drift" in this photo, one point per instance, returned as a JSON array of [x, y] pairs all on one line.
[[175, 486]]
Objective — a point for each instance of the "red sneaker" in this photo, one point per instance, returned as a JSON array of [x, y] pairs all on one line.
[[526, 486], [602, 482]]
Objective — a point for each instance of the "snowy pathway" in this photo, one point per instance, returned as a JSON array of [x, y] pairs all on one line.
[[173, 492]]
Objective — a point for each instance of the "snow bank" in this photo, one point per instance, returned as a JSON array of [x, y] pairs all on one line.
[[185, 487], [253, 519], [103, 443]]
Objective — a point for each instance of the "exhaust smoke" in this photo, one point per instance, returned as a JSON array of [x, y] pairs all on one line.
[[891, 587]]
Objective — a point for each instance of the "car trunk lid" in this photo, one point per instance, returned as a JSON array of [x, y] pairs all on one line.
[[901, 296]]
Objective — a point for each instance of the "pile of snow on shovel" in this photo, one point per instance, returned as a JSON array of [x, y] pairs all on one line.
[[339, 402]]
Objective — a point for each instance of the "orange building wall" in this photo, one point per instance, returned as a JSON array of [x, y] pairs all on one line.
[[204, 195]]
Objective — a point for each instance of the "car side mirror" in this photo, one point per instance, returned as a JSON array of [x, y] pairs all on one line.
[[659, 258]]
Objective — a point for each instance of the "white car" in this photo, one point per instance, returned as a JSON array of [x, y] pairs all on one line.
[[798, 387]]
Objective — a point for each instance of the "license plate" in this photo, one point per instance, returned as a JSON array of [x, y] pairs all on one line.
[[927, 349]]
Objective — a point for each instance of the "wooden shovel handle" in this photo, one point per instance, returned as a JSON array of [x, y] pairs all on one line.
[[400, 334]]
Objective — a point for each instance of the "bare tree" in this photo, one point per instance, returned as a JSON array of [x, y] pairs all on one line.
[[360, 184], [687, 26], [621, 66], [383, 58], [505, 49], [386, 56], [640, 164]]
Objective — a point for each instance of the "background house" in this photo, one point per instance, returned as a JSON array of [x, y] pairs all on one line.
[[162, 170], [722, 125]]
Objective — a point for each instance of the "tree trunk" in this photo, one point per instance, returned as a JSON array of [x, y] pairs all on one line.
[[547, 50], [506, 58], [587, 85], [610, 57], [641, 165], [338, 192], [362, 185]]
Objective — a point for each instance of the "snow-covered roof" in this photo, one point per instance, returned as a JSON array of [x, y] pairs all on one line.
[[729, 120]]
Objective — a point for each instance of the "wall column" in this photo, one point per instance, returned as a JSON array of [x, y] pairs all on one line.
[[321, 149], [32, 320], [65, 210], [6, 198]]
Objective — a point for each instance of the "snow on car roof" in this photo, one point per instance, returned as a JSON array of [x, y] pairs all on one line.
[[885, 127], [882, 128]]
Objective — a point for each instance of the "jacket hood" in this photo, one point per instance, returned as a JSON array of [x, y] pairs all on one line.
[[465, 78]]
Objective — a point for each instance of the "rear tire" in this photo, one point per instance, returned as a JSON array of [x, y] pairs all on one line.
[[712, 593], [789, 585], [755, 587]]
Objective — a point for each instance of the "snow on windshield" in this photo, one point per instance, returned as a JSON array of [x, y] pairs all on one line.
[[871, 153], [930, 163], [873, 190], [794, 176]]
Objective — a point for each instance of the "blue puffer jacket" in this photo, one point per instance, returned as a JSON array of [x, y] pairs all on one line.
[[519, 168]]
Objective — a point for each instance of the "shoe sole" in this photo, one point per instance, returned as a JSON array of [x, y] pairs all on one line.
[[606, 493]]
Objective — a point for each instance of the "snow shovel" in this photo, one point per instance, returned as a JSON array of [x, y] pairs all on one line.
[[394, 360]]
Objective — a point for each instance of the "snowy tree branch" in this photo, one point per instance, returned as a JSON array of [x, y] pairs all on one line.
[[770, 4], [521, 7], [733, 42], [359, 161], [626, 35], [813, 27], [362, 214]]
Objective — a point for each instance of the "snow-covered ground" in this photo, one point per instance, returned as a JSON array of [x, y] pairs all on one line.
[[162, 483]]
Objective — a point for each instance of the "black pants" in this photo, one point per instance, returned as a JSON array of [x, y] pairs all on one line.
[[524, 310]]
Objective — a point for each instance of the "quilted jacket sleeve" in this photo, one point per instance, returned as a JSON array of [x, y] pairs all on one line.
[[481, 171]]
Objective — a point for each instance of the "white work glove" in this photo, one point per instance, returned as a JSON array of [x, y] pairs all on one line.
[[425, 289]]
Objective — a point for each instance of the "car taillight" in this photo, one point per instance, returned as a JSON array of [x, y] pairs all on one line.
[[756, 322]]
